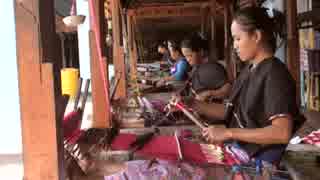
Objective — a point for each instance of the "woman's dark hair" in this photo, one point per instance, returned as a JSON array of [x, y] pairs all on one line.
[[175, 46], [195, 42], [257, 18], [162, 45]]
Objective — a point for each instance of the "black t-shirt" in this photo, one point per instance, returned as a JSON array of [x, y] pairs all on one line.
[[166, 57], [267, 91], [208, 76]]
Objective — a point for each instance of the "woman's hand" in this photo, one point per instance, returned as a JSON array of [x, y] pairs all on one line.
[[175, 98], [214, 134], [203, 95], [161, 82]]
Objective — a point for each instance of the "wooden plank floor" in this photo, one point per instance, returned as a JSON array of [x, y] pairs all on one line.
[[301, 159], [302, 165]]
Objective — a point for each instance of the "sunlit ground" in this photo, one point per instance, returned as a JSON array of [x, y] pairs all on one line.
[[11, 167]]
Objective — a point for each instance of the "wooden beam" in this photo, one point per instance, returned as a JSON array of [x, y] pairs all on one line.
[[204, 19], [213, 23], [247, 3], [168, 11], [227, 40], [101, 115], [133, 57], [118, 52], [99, 6], [185, 4], [40, 104], [293, 43]]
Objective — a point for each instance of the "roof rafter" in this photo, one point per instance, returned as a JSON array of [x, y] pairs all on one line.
[[185, 10]]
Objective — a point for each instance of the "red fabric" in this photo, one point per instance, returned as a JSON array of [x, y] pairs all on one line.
[[181, 106], [159, 105], [313, 138], [75, 136], [71, 124], [165, 147]]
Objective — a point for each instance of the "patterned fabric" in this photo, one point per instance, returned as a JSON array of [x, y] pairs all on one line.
[[165, 147], [161, 170], [313, 138]]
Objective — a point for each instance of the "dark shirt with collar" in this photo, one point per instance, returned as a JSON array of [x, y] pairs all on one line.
[[208, 76], [166, 56], [267, 92]]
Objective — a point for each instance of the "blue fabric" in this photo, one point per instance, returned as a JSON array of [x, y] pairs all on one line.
[[180, 70], [271, 155]]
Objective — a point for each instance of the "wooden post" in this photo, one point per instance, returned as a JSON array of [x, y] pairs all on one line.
[[227, 40], [118, 52], [101, 115], [293, 43], [254, 3], [213, 47], [132, 48], [204, 15], [41, 105]]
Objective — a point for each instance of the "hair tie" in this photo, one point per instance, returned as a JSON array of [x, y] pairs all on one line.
[[270, 12]]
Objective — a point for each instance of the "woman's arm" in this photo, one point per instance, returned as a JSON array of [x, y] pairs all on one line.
[[163, 81], [169, 78], [181, 70], [179, 75], [220, 93], [213, 110], [279, 132]]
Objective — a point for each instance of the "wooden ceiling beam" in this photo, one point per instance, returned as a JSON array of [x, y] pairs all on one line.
[[186, 10], [185, 4], [146, 3]]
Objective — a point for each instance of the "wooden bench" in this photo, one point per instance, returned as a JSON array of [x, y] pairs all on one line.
[[301, 162]]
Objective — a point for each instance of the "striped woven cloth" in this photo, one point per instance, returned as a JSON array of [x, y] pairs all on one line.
[[312, 138]]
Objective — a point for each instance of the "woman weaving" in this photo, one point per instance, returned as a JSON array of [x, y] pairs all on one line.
[[208, 80], [179, 70], [261, 114]]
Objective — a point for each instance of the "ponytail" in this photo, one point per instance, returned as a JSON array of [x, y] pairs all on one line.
[[258, 18]]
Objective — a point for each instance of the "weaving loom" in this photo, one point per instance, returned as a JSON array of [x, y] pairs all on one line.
[[165, 147], [159, 146], [71, 128]]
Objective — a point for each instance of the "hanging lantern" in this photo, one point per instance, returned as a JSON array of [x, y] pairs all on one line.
[[73, 20]]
